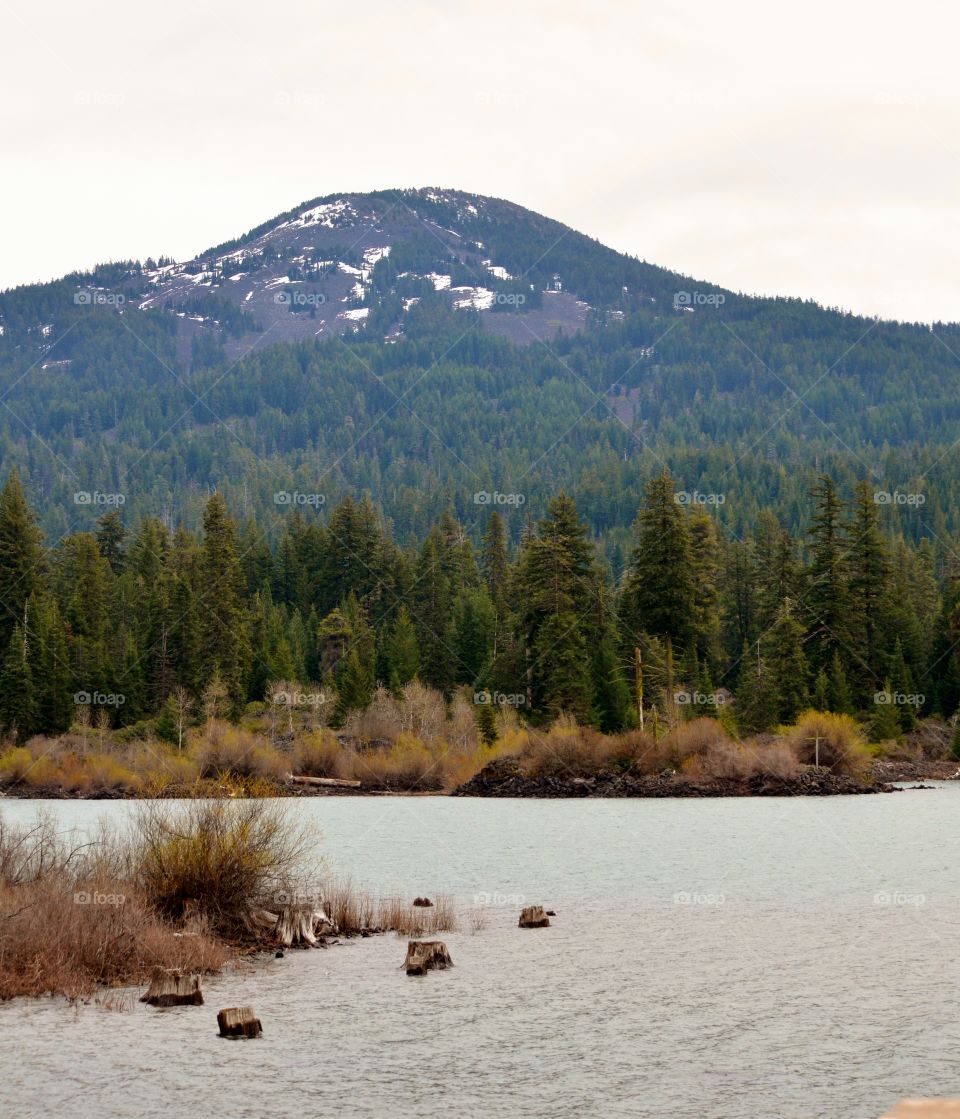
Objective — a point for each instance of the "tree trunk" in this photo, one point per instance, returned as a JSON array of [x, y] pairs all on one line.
[[239, 1021], [534, 917], [425, 955], [170, 987]]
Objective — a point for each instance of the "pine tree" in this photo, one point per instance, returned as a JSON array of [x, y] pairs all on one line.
[[494, 559], [487, 723], [21, 556], [433, 613], [562, 668], [612, 702], [224, 646], [789, 671], [354, 674], [659, 591], [828, 599], [884, 724], [756, 706], [556, 588], [17, 699], [111, 536], [402, 653], [474, 629], [841, 701], [869, 570], [49, 663]]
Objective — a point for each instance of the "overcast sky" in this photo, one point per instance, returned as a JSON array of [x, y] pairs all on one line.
[[809, 150]]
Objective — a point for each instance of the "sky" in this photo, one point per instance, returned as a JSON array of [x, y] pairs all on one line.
[[805, 150]]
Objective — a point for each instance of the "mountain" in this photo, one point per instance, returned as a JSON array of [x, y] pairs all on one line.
[[429, 346]]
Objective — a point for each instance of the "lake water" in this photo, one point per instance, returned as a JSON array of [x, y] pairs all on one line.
[[710, 959]]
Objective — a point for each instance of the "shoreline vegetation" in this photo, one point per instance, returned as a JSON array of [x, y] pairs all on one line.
[[190, 887], [417, 744]]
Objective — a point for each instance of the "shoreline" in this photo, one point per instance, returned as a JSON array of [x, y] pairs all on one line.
[[504, 779]]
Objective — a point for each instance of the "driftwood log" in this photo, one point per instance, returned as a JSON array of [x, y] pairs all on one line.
[[322, 782], [534, 917], [426, 955], [170, 987], [293, 925], [239, 1021]]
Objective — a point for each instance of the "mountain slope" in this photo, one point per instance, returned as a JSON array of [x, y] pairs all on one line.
[[431, 345]]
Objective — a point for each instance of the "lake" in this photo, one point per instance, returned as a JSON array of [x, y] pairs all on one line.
[[710, 959]]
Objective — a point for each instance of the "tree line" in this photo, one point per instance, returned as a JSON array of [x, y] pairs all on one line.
[[130, 622]]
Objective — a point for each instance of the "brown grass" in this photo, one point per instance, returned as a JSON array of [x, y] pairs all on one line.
[[354, 911], [68, 925]]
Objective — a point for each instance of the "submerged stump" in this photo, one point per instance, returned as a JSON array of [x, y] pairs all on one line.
[[534, 917], [426, 955], [170, 987], [239, 1021]]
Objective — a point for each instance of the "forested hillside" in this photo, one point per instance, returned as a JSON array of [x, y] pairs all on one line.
[[423, 347]]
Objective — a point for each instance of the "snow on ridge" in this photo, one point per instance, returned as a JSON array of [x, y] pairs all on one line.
[[372, 255], [440, 283], [356, 315], [479, 298], [497, 271], [329, 214]]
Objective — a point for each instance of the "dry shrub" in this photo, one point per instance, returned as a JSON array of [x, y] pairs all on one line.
[[319, 754], [218, 859], [68, 925], [776, 759], [697, 738], [420, 712], [842, 747], [571, 750], [227, 750], [409, 764]]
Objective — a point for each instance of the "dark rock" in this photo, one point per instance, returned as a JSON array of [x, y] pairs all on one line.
[[504, 778]]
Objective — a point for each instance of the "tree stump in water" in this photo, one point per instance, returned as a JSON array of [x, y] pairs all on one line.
[[424, 903], [293, 926], [426, 955], [239, 1021], [534, 917], [170, 987]]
